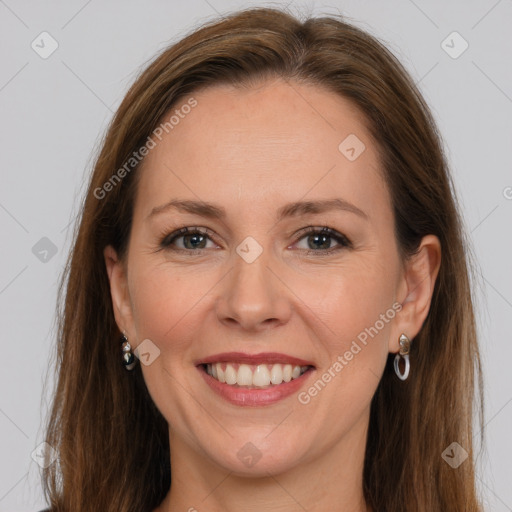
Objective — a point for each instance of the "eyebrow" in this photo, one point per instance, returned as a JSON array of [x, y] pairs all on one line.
[[211, 211]]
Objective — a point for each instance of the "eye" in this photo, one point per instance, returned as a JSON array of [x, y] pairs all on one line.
[[320, 240], [188, 239]]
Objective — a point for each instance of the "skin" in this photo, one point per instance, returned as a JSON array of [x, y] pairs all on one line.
[[251, 151]]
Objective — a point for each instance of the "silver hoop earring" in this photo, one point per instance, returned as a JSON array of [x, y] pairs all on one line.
[[129, 360], [405, 345]]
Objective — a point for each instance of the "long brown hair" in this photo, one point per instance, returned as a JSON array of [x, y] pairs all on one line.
[[112, 441]]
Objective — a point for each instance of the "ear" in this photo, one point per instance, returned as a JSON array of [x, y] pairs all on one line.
[[416, 289], [119, 292]]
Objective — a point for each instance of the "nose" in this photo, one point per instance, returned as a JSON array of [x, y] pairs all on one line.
[[252, 297]]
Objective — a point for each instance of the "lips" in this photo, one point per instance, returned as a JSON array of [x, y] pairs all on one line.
[[254, 379]]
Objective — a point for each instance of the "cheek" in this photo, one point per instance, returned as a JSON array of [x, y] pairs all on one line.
[[355, 314], [351, 299], [357, 308], [160, 299]]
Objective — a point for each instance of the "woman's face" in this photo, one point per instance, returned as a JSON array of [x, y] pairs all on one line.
[[254, 175]]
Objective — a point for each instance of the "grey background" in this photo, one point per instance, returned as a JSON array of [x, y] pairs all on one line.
[[54, 112]]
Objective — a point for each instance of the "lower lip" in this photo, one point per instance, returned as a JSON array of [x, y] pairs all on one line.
[[255, 397]]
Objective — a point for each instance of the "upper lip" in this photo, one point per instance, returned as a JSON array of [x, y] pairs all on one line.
[[254, 359]]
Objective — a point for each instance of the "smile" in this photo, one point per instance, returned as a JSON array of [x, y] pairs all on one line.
[[254, 376], [254, 380]]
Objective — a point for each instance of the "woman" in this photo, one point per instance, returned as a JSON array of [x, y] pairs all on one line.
[[271, 246]]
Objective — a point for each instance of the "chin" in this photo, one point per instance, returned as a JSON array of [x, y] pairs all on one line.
[[260, 458]]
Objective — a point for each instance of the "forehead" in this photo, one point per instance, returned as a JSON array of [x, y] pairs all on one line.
[[275, 142]]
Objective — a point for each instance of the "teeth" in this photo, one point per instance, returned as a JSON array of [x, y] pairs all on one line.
[[231, 375], [276, 374], [287, 372], [244, 376], [262, 375]]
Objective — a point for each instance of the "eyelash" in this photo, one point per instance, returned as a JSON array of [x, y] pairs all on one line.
[[342, 240]]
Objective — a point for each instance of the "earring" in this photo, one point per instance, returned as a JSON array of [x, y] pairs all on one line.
[[405, 345], [129, 360]]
